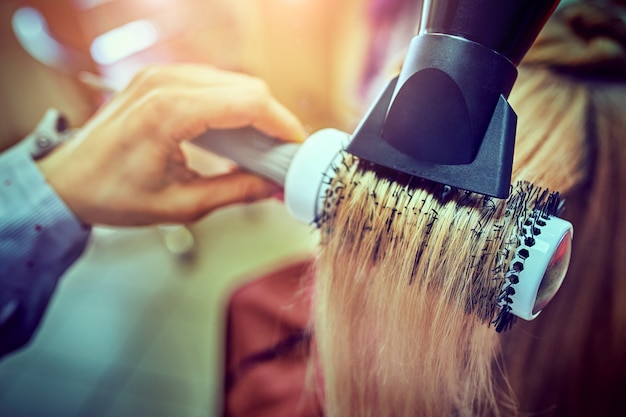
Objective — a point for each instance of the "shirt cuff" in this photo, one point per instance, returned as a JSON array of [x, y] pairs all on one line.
[[40, 238], [25, 190]]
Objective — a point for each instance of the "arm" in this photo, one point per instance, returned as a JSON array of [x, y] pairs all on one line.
[[125, 167], [39, 239]]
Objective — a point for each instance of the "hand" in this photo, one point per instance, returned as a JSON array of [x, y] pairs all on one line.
[[126, 167]]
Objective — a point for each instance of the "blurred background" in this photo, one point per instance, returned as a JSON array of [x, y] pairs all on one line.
[[135, 328], [308, 51]]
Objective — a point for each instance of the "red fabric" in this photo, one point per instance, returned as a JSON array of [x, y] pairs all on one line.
[[267, 347]]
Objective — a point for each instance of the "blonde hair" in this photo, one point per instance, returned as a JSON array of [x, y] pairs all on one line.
[[408, 281], [409, 271], [571, 102]]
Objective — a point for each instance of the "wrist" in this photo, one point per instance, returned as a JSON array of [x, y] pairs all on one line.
[[46, 147], [54, 168]]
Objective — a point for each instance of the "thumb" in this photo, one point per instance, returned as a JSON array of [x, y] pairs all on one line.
[[198, 198]]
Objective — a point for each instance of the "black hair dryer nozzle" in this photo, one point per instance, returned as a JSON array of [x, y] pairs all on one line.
[[445, 118]]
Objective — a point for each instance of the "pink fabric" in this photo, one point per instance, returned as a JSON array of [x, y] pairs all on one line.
[[267, 347]]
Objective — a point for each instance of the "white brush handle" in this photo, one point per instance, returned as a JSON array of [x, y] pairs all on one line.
[[302, 168]]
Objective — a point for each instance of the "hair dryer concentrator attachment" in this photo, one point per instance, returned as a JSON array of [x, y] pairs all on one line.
[[412, 142], [445, 118]]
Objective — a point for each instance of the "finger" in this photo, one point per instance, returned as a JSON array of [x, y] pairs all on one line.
[[252, 105], [190, 202], [160, 76], [183, 113], [187, 75]]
